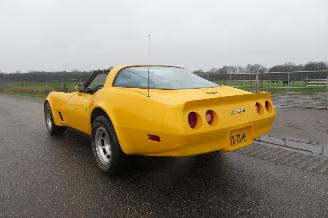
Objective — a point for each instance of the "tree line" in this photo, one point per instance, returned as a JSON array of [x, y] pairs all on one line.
[[258, 68], [70, 76], [43, 76]]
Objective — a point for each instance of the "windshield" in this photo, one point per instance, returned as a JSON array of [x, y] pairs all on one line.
[[160, 77]]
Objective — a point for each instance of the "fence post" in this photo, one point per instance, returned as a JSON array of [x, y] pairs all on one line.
[[306, 81], [288, 78], [257, 83], [327, 89], [288, 81], [327, 84]]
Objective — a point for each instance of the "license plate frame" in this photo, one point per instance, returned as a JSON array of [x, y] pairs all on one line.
[[240, 136]]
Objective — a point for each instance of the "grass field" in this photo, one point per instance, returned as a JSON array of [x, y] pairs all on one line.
[[294, 86], [41, 89]]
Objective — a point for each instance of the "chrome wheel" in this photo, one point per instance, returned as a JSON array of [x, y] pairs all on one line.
[[103, 145], [48, 117]]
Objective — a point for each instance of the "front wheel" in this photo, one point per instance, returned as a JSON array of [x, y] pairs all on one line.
[[105, 146], [50, 123]]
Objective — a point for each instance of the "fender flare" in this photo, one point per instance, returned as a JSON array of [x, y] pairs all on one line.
[[98, 110]]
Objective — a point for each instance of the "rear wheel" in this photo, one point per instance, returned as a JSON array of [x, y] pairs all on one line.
[[106, 148], [51, 126]]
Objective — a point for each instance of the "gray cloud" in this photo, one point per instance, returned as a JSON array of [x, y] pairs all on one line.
[[86, 34]]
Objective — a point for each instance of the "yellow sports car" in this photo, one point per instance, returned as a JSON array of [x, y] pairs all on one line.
[[158, 110]]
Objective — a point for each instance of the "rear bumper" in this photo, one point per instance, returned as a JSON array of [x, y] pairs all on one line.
[[205, 142]]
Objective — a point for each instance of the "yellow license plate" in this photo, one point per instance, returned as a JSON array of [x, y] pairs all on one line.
[[239, 136]]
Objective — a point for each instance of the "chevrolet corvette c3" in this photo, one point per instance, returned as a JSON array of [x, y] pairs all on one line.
[[157, 110]]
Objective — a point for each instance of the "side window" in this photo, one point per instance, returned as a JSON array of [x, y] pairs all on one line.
[[128, 78], [98, 82]]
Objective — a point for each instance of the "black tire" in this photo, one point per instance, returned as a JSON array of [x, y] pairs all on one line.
[[102, 131], [53, 129]]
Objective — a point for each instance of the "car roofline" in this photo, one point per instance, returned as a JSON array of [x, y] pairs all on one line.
[[123, 66]]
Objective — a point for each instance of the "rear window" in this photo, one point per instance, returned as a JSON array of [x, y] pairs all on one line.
[[160, 77]]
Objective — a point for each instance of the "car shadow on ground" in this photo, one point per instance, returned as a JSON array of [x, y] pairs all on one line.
[[199, 181], [143, 165]]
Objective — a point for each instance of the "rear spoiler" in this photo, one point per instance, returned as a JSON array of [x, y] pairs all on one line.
[[229, 99]]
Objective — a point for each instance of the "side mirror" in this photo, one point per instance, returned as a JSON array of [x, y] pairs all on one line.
[[89, 90], [79, 88]]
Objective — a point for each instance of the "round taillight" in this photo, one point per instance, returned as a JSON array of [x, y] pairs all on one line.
[[209, 117], [258, 107], [192, 119], [268, 106]]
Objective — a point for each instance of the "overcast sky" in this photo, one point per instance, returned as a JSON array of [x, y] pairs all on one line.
[[89, 34]]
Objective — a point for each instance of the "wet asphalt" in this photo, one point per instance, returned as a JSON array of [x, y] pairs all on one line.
[[44, 176]]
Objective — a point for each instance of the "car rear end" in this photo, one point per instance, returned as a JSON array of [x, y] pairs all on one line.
[[216, 123]]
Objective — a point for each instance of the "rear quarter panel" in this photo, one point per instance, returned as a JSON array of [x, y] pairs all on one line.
[[134, 115]]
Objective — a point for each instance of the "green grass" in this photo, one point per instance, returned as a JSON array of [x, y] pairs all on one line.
[[23, 94], [295, 86], [41, 89]]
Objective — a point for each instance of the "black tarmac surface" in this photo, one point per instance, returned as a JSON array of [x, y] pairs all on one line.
[[45, 176]]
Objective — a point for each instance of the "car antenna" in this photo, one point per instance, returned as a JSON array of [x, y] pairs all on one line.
[[148, 66]]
